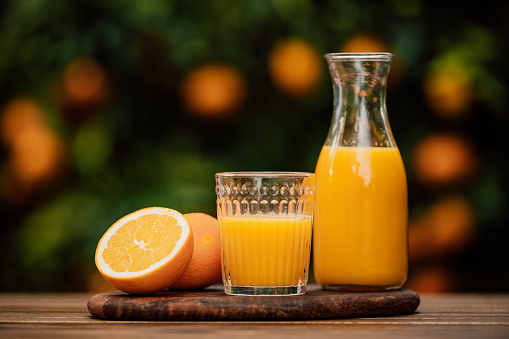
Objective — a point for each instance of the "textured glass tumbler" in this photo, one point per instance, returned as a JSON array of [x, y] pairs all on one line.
[[265, 226]]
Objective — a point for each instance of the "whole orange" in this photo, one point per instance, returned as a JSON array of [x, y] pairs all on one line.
[[204, 269]]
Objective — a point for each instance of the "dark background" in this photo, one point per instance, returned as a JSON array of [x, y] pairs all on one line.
[[111, 106]]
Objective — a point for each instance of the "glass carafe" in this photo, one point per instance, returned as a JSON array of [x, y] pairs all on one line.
[[360, 239]]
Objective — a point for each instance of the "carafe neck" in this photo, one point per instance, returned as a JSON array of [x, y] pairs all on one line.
[[360, 115]]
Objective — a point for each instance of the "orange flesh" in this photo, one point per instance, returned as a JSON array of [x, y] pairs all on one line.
[[142, 242]]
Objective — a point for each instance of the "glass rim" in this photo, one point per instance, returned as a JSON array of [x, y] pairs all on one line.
[[360, 56], [265, 174]]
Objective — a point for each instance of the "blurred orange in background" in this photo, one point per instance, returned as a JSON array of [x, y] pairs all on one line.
[[444, 232], [449, 91], [434, 279], [213, 91], [36, 153], [18, 115], [82, 90], [446, 228], [444, 158], [295, 67]]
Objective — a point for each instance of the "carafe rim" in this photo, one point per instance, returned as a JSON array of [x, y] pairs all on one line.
[[381, 56]]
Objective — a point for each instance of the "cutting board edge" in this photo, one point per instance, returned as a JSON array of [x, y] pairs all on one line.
[[121, 306]]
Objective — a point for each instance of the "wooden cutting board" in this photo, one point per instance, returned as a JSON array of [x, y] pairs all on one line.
[[214, 304]]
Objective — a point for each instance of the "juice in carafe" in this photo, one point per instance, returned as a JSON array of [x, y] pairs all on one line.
[[361, 238]]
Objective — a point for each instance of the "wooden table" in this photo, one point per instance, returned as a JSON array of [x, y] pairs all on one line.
[[67, 316]]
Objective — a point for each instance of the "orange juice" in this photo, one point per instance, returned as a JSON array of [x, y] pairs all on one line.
[[265, 250], [360, 218]]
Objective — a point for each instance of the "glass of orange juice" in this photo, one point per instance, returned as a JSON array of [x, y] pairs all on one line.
[[265, 226]]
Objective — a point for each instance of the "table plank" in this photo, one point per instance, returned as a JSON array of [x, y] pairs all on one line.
[[66, 315]]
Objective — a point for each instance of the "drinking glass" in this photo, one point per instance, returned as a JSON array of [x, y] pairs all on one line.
[[265, 225]]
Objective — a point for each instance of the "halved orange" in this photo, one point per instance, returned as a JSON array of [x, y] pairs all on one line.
[[145, 251]]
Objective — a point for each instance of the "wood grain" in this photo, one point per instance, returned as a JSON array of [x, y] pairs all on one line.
[[64, 315], [214, 304]]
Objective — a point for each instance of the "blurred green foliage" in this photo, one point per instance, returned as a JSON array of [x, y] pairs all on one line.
[[142, 148]]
